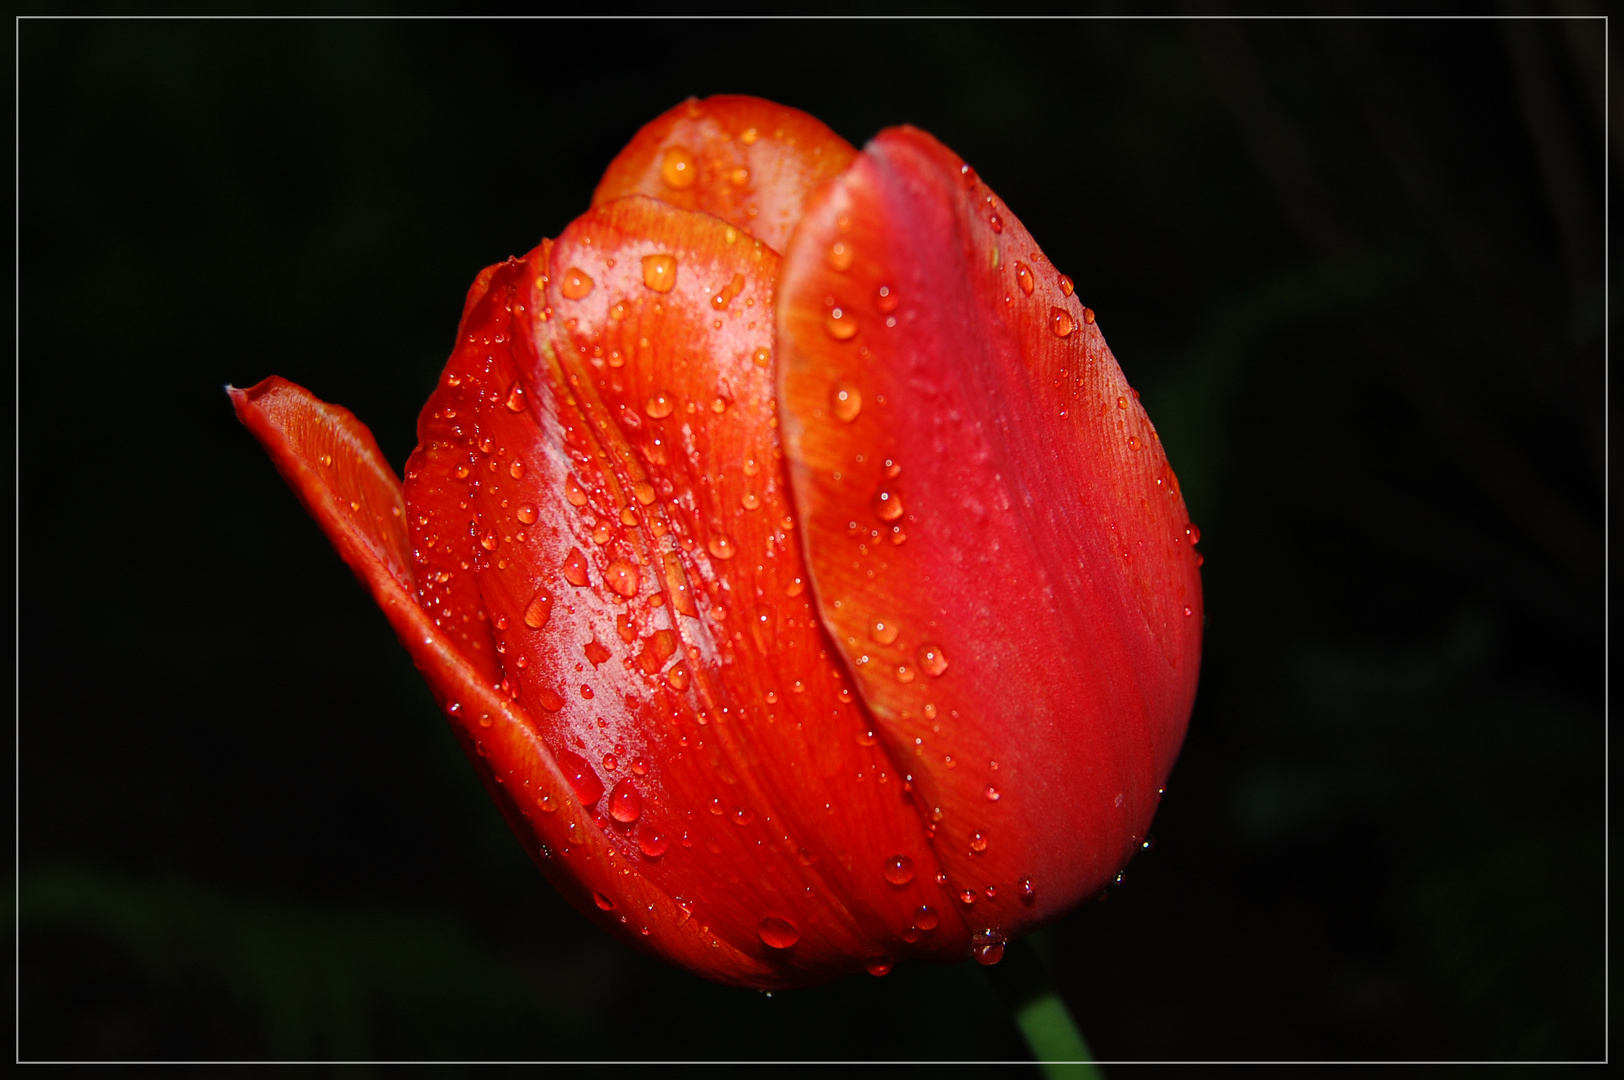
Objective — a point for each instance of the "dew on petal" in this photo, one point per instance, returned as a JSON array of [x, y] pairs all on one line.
[[1061, 322], [677, 168], [840, 256], [661, 404], [1066, 285], [884, 631], [840, 324], [778, 932], [885, 300], [898, 870], [1023, 278], [575, 568], [576, 284], [660, 272], [721, 545], [878, 965], [990, 953], [622, 577], [931, 660], [580, 774], [978, 843], [643, 491], [926, 918], [625, 802], [515, 398], [845, 401], [652, 843], [603, 902], [574, 492], [539, 610], [887, 504], [527, 514]]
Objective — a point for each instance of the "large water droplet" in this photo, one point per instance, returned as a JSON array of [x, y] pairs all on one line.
[[576, 284], [926, 918], [898, 870], [661, 405], [878, 965], [625, 802], [1066, 285], [778, 932], [1061, 322], [677, 168], [660, 272], [990, 953], [840, 324], [931, 660], [574, 492], [643, 491], [840, 256], [575, 568], [887, 504], [845, 401], [652, 843], [603, 902], [1023, 278], [527, 514], [579, 772], [622, 577], [978, 843], [884, 631], [539, 610], [515, 398], [721, 545]]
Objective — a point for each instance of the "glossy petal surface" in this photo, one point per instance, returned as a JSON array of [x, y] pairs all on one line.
[[621, 465], [750, 162], [999, 547]]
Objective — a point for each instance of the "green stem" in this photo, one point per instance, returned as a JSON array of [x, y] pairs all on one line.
[[1023, 984]]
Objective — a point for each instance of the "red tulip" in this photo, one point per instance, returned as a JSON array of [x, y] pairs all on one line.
[[791, 557]]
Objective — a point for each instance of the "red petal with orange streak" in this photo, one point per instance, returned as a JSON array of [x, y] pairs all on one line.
[[976, 477], [748, 161], [635, 484], [332, 463]]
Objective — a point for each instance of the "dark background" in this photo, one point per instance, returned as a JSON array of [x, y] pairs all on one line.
[[1355, 269]]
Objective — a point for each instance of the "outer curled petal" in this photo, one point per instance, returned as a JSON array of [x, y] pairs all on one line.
[[999, 547]]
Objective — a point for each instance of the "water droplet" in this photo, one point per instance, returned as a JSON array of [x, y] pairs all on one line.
[[1066, 285], [931, 660], [527, 514], [845, 401], [1122, 403], [575, 568], [750, 501], [628, 516], [1088, 315], [739, 177], [516, 470], [622, 577], [777, 932], [990, 953], [878, 965], [1026, 887], [887, 504], [652, 843], [547, 803], [660, 272], [574, 492], [969, 175], [1133, 442], [586, 692], [761, 357], [749, 136], [742, 817], [864, 736], [1023, 278], [581, 776], [966, 896], [539, 610], [996, 222], [462, 472], [625, 802], [515, 398], [898, 870], [676, 583], [1193, 533], [905, 674], [602, 901], [993, 794], [677, 677], [661, 405], [677, 168], [794, 588], [1061, 322], [884, 631], [721, 545], [576, 285], [488, 541], [840, 324], [643, 491], [840, 256]]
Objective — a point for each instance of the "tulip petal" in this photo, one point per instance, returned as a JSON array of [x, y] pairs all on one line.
[[750, 162], [649, 598], [998, 544]]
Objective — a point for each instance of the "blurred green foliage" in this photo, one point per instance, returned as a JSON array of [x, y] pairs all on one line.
[[1355, 269]]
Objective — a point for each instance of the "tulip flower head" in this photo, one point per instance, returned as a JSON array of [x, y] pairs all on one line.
[[793, 561]]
